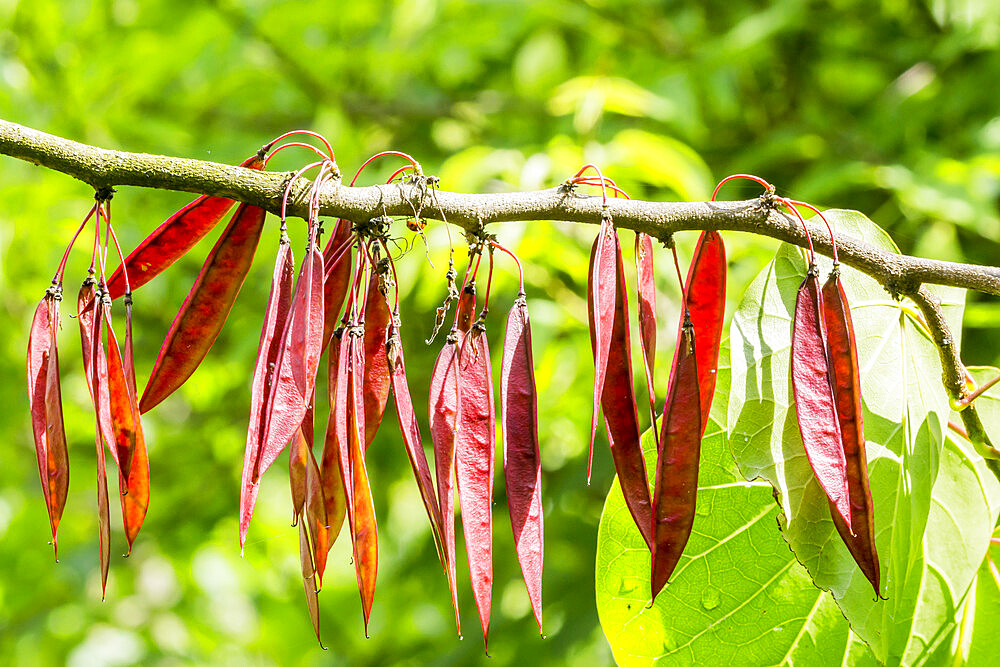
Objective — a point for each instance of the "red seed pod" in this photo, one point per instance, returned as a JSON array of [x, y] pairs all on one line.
[[705, 298], [130, 442], [676, 482], [342, 338], [298, 461], [135, 493], [618, 402], [90, 318], [173, 238], [815, 409], [278, 304], [331, 475], [443, 413], [89, 315], [297, 363], [522, 463], [410, 430], [309, 580], [377, 379], [45, 404], [124, 413], [204, 311], [843, 353], [646, 285], [601, 301], [364, 529], [474, 446]]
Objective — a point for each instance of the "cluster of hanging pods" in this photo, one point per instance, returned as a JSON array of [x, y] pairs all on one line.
[[340, 305], [824, 372]]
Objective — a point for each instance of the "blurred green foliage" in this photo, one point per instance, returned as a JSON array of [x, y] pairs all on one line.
[[886, 107]]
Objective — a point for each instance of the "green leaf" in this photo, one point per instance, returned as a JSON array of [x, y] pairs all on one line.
[[905, 409], [737, 596], [979, 642]]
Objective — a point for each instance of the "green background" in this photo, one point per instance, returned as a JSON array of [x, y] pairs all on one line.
[[887, 108]]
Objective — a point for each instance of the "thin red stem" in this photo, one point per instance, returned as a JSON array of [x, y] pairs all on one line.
[[756, 179], [288, 189], [298, 144], [58, 278], [121, 256], [980, 391], [97, 239], [958, 429], [833, 241], [310, 133], [520, 270], [489, 284], [398, 172], [680, 278], [416, 165], [788, 204], [600, 175], [610, 183]]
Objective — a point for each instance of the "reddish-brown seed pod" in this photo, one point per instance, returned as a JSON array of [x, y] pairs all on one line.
[[315, 515], [474, 446], [601, 301], [135, 493], [815, 409], [342, 338], [45, 404], [676, 483], [377, 376], [204, 311], [443, 413], [124, 412], [466, 310], [646, 287], [297, 363], [410, 430], [843, 354], [618, 404], [278, 303], [705, 298], [364, 529], [331, 475], [297, 463], [89, 316], [309, 580], [337, 262], [522, 463], [173, 238]]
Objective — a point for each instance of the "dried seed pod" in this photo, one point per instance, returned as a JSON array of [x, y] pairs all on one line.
[[45, 404], [474, 446], [815, 408], [276, 312], [204, 311], [173, 238], [522, 462], [443, 413], [676, 482], [843, 355]]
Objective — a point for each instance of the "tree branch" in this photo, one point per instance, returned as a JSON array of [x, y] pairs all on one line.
[[900, 274]]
